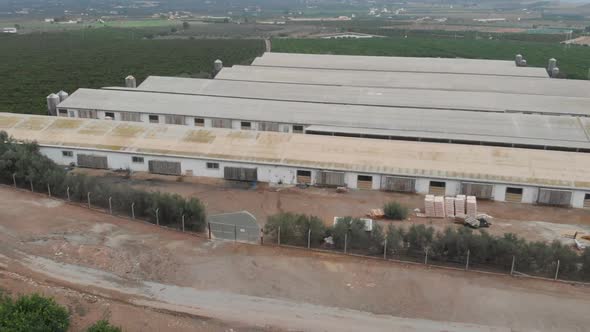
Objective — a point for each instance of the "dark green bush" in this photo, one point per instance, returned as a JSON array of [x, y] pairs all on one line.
[[32, 313], [395, 211]]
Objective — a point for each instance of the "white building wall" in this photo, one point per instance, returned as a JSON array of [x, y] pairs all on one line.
[[452, 188], [350, 179], [285, 128], [376, 182], [422, 185], [530, 194], [578, 198], [276, 174], [499, 192]]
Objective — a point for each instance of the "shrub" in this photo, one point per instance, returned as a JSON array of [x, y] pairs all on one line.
[[103, 326], [295, 228], [395, 211], [32, 313]]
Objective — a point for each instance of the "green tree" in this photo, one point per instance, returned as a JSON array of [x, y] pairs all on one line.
[[295, 228], [32, 313], [351, 230], [103, 326]]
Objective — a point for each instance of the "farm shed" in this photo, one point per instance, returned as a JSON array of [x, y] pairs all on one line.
[[537, 131], [279, 158]]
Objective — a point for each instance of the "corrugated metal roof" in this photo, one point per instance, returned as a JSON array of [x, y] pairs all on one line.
[[453, 161], [508, 128], [398, 64], [436, 99], [433, 81]]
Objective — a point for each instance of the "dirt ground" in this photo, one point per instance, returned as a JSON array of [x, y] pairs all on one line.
[[141, 275], [535, 223]]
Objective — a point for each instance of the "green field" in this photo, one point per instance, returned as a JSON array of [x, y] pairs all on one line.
[[573, 62], [35, 65]]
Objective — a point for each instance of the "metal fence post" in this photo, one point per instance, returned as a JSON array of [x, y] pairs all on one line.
[[385, 249], [235, 233], [48, 190], [557, 270], [132, 210], [345, 242], [209, 227], [467, 262], [31, 181], [88, 196], [279, 236], [426, 256], [309, 238], [183, 222], [512, 267], [14, 179], [110, 205], [68, 192], [158, 216]]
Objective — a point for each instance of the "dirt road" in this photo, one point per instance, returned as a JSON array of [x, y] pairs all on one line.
[[253, 287]]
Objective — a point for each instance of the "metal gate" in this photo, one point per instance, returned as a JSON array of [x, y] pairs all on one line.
[[240, 173], [330, 179], [394, 183], [92, 161], [268, 126], [174, 119], [164, 167], [221, 123], [479, 190], [554, 197]]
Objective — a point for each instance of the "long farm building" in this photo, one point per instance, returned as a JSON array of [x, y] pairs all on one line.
[[498, 173]]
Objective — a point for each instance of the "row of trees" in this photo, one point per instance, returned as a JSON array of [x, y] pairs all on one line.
[[22, 161], [450, 246], [36, 313]]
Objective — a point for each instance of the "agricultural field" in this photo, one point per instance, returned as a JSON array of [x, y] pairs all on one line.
[[573, 61], [35, 65]]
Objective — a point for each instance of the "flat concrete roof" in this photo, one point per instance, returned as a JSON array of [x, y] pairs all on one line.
[[435, 99], [509, 128], [451, 161], [404, 80], [398, 64]]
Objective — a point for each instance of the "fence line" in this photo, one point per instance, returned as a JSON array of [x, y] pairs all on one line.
[[382, 257]]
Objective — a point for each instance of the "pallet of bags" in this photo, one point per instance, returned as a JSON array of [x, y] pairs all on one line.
[[439, 206], [471, 206], [460, 205], [429, 206], [450, 207]]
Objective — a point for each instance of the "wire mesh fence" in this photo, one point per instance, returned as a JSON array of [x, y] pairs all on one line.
[[468, 260]]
